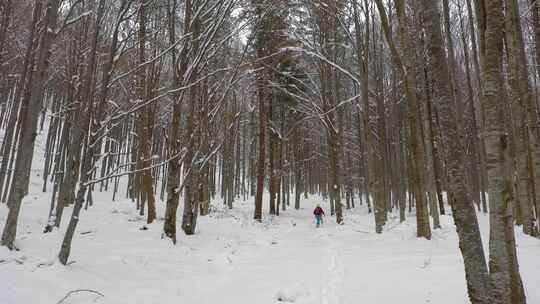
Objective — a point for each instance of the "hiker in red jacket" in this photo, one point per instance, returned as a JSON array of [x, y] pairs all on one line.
[[319, 213]]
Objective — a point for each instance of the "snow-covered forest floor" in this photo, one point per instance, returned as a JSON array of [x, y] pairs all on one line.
[[234, 260]]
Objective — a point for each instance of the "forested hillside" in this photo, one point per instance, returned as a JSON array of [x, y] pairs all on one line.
[[156, 133]]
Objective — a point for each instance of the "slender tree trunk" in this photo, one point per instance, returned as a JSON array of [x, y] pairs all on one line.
[[405, 69], [173, 174], [143, 124], [83, 135], [504, 281], [520, 100], [30, 106], [470, 241]]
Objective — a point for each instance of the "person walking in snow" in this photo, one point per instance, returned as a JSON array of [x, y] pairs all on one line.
[[319, 213]]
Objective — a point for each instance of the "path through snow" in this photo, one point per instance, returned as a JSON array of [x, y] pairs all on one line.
[[333, 290]]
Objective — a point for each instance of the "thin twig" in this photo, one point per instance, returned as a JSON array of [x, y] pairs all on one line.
[[77, 291]]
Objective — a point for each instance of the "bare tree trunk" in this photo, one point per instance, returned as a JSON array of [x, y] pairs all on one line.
[[83, 136], [143, 124], [470, 241], [174, 167], [193, 132], [261, 96], [521, 101], [504, 281], [15, 118], [298, 164], [30, 106], [371, 161], [269, 35], [272, 147], [405, 69]]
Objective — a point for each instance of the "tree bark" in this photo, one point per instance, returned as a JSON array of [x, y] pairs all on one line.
[[504, 281], [463, 211], [405, 69], [30, 106]]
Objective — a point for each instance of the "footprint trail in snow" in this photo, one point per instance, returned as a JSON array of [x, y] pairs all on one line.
[[332, 289]]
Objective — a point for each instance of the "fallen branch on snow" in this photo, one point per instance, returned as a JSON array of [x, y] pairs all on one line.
[[77, 291], [363, 231]]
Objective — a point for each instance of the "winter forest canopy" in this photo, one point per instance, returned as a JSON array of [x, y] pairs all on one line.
[[390, 113]]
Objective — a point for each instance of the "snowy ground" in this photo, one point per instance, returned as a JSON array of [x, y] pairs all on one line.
[[233, 260]]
